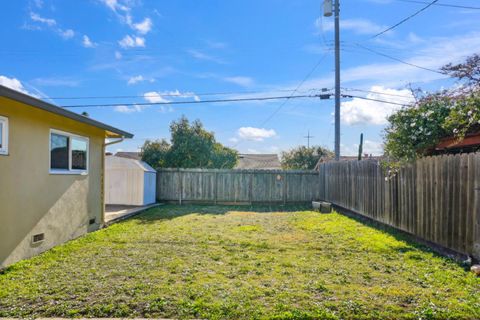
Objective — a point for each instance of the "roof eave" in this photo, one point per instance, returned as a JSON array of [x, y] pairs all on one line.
[[40, 104]]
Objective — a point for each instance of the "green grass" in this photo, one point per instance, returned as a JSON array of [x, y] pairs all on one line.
[[240, 262]]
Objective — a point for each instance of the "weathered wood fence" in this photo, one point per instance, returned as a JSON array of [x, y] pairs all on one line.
[[436, 198], [237, 186]]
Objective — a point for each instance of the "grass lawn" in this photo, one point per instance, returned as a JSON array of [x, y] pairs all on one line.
[[240, 262]]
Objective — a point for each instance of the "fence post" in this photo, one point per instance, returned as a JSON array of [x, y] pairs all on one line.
[[285, 188], [180, 186], [250, 188], [476, 210], [215, 187]]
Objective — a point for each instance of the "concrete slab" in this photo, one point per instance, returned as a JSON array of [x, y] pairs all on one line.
[[115, 213]]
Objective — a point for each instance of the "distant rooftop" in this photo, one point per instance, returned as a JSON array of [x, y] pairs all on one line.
[[258, 161], [129, 155]]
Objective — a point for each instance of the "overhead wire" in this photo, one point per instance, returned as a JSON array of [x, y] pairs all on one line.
[[442, 4], [179, 94], [189, 102], [296, 89], [398, 60], [405, 19]]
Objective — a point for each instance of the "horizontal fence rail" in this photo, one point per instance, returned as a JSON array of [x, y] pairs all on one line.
[[237, 186], [435, 198]]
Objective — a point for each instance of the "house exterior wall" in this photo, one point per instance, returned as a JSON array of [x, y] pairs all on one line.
[[32, 200]]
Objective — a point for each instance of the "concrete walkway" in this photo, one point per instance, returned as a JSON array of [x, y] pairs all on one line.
[[115, 213]]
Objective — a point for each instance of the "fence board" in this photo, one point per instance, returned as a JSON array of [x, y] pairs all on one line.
[[435, 198], [239, 186]]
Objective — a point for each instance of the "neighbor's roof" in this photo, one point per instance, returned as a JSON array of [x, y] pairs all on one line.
[[114, 162], [129, 155], [40, 104], [258, 161], [346, 158]]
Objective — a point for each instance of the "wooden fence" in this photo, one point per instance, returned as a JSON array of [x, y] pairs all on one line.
[[237, 186], [436, 198]]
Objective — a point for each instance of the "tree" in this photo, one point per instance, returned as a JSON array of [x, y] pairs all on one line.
[[191, 146], [304, 158], [468, 71], [155, 153], [223, 157], [415, 129]]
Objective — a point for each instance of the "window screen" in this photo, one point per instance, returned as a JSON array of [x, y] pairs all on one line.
[[59, 148], [79, 154]]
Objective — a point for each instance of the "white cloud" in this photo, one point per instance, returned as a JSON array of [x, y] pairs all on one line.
[[129, 109], [361, 111], [37, 18], [131, 42], [136, 79], [179, 94], [143, 27], [359, 26], [118, 55], [159, 97], [66, 34], [52, 24], [87, 43], [56, 82], [115, 5], [154, 97], [199, 55], [12, 83], [373, 148], [255, 134], [241, 81], [217, 44], [38, 3]]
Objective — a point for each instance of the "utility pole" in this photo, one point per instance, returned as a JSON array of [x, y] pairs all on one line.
[[327, 7], [360, 148], [337, 80], [308, 136]]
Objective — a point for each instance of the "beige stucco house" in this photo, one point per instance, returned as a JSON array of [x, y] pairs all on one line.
[[51, 175]]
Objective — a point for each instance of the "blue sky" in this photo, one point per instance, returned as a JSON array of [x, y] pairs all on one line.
[[177, 50]]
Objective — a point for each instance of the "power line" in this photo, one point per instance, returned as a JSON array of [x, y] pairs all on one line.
[[296, 89], [398, 60], [442, 4], [376, 100], [191, 102], [376, 92], [185, 94], [406, 19]]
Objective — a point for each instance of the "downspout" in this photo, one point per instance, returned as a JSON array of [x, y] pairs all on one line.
[[103, 175]]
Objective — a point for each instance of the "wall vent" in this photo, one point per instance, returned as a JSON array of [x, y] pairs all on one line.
[[37, 238], [91, 221]]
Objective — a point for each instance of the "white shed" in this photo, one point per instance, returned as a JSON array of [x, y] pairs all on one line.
[[129, 182]]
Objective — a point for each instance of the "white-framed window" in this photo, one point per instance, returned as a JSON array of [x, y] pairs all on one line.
[[69, 153], [3, 135]]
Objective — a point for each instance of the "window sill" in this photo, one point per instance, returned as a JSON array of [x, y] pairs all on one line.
[[66, 172]]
